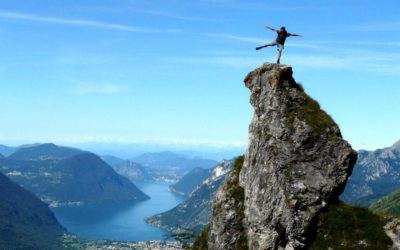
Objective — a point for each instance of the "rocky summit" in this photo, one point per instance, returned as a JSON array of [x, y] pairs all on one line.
[[296, 164]]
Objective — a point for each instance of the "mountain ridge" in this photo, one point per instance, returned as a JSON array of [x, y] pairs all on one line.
[[6, 150], [44, 151], [25, 221], [167, 166], [68, 177], [190, 181], [375, 175], [194, 213]]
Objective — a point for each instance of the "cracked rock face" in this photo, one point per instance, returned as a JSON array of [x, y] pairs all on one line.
[[295, 165]]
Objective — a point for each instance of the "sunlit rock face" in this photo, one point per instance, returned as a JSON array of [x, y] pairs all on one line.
[[295, 165]]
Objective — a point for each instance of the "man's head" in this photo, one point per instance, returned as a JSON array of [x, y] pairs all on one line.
[[283, 28]]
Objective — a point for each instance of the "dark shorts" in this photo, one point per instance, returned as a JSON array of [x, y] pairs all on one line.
[[279, 46]]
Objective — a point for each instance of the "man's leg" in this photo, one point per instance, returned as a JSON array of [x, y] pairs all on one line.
[[267, 45], [280, 49]]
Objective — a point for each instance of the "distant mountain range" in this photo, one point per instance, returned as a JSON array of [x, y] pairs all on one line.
[[130, 150], [170, 167], [135, 172], [376, 174], [25, 221], [112, 160], [63, 176], [194, 213], [6, 150], [190, 181]]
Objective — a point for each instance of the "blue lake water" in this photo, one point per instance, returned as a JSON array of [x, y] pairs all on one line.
[[125, 223]]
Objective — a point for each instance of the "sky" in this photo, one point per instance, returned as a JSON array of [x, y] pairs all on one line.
[[171, 71]]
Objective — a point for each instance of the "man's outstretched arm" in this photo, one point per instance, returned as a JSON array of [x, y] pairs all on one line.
[[271, 28], [293, 34]]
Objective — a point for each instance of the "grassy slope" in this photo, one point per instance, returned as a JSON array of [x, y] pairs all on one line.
[[389, 204], [347, 227]]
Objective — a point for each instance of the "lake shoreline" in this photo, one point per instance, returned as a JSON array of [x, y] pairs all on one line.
[[121, 222]]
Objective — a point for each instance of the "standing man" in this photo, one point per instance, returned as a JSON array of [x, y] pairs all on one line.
[[279, 41]]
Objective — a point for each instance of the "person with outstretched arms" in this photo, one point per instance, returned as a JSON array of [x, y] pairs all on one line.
[[279, 42]]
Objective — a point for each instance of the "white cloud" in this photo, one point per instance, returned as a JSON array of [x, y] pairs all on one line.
[[383, 26], [348, 60], [173, 15], [96, 88], [76, 139], [334, 43], [246, 39], [80, 23]]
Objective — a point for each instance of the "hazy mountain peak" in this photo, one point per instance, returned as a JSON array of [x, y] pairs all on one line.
[[170, 166], [112, 160], [44, 151], [6, 150], [396, 145]]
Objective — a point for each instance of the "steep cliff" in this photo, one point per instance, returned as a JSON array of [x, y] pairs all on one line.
[[295, 165]]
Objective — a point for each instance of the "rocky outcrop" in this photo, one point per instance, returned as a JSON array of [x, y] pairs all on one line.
[[295, 165], [392, 229]]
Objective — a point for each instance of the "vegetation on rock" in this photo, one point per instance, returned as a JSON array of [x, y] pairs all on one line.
[[308, 110], [200, 242], [343, 226], [25, 221], [389, 204], [231, 204]]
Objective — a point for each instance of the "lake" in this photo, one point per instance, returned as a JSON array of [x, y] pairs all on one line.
[[124, 223]]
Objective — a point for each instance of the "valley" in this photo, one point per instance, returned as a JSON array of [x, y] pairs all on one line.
[[102, 200], [199, 125], [124, 222]]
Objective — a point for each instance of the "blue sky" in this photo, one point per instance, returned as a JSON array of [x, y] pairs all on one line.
[[171, 71]]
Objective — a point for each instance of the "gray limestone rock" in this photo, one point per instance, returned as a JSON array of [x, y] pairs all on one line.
[[295, 165]]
